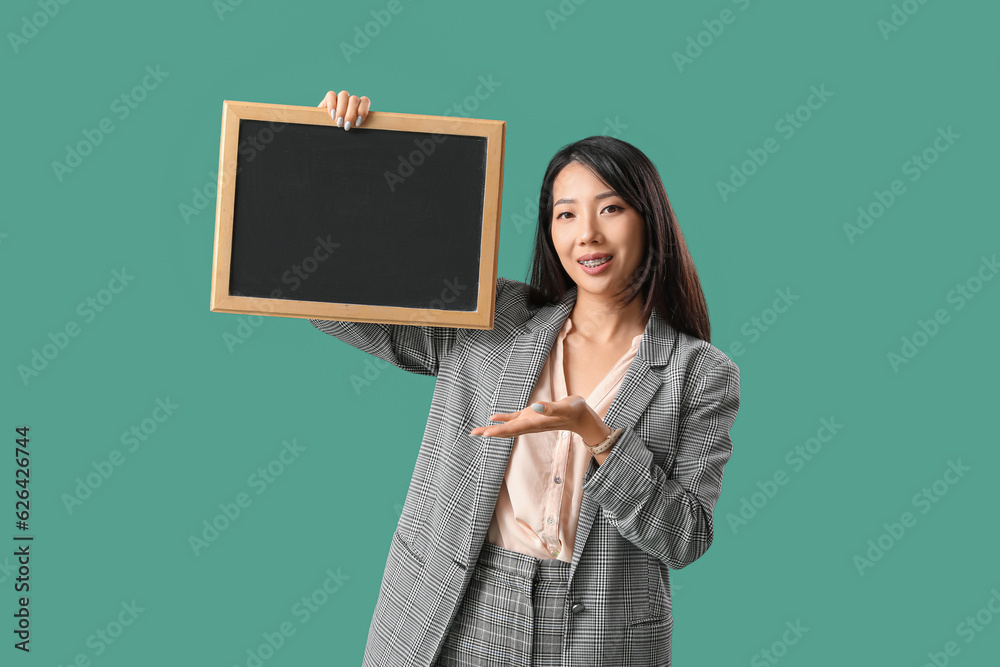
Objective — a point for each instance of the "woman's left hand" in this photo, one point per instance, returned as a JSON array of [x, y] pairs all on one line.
[[572, 413]]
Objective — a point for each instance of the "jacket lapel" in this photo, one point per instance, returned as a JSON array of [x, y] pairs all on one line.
[[521, 367], [638, 387]]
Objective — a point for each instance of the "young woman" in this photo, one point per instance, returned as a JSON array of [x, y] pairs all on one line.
[[547, 538]]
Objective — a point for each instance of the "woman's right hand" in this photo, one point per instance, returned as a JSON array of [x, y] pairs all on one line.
[[348, 110]]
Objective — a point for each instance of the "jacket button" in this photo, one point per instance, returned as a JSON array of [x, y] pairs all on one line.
[[577, 608]]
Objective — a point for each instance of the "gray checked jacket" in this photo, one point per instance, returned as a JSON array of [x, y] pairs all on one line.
[[646, 509]]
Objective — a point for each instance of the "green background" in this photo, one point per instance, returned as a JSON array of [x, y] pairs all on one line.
[[564, 72]]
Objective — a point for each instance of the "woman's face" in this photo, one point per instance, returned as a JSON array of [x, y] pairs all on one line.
[[589, 218]]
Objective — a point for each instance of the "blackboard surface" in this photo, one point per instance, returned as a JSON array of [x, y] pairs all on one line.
[[391, 218]]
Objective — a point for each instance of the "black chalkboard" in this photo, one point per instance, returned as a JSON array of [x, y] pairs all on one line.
[[361, 223]]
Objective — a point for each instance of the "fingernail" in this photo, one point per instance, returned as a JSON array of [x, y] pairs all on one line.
[[340, 121], [358, 119], [347, 125], [333, 114], [538, 407]]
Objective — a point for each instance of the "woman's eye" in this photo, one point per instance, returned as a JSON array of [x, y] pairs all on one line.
[[614, 206]]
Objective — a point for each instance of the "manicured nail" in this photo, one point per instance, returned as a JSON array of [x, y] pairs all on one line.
[[358, 119], [347, 125], [340, 121], [538, 407], [333, 114]]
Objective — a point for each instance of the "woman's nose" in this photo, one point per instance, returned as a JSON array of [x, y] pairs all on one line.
[[589, 227]]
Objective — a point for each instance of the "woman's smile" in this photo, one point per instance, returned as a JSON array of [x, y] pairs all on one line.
[[593, 228], [595, 266]]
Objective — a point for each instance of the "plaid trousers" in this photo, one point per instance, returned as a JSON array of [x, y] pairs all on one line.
[[513, 613]]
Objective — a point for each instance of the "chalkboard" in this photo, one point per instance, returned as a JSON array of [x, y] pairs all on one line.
[[396, 221]]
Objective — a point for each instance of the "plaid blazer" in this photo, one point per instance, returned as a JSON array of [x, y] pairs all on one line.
[[646, 509]]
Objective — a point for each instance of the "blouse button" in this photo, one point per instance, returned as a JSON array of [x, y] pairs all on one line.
[[558, 480]]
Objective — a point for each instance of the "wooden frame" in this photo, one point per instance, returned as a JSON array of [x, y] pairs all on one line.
[[223, 301]]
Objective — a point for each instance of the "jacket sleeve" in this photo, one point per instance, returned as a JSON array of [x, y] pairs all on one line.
[[417, 349], [671, 517]]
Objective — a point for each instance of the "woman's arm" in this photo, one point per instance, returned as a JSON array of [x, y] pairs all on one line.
[[417, 349], [414, 348], [671, 518]]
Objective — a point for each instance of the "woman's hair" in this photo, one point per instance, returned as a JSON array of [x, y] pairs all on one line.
[[666, 277]]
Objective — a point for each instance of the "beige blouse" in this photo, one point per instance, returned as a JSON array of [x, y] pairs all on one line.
[[538, 508]]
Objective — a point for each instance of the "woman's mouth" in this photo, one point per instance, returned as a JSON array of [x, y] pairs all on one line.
[[595, 266]]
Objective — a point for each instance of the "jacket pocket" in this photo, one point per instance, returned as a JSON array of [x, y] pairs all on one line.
[[647, 642], [408, 548], [659, 589]]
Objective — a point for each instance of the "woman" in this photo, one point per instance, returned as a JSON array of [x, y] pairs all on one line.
[[546, 539]]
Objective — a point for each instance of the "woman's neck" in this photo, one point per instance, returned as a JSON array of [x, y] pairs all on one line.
[[600, 321]]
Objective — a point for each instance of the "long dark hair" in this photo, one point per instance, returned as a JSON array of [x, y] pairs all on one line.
[[667, 276]]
